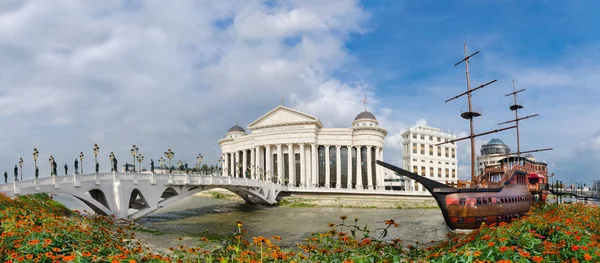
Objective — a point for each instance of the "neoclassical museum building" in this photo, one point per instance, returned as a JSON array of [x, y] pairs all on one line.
[[293, 148]]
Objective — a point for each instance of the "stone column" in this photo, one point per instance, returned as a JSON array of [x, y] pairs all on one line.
[[252, 163], [302, 166], [280, 172], [268, 166], [315, 174], [378, 171], [369, 169], [225, 163], [237, 160], [257, 155], [231, 164], [338, 167], [244, 162], [381, 169], [327, 167], [359, 183], [292, 166], [349, 182]]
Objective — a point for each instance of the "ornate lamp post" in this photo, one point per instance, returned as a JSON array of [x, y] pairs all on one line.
[[81, 161], [21, 165], [35, 156], [96, 150], [111, 158], [140, 159], [169, 154], [134, 150], [221, 160], [179, 164], [199, 159]]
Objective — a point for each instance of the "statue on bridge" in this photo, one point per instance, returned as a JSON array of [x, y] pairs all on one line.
[[5, 177], [115, 164], [54, 168], [151, 165], [97, 167], [66, 169], [16, 173], [76, 165], [37, 173], [126, 167]]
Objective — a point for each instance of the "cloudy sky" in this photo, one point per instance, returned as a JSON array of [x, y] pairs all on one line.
[[178, 74]]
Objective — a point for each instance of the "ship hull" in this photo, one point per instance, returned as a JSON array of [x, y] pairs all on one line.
[[469, 208]]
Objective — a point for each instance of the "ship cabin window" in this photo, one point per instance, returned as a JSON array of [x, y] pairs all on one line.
[[479, 200], [489, 200], [477, 220], [462, 201], [460, 219]]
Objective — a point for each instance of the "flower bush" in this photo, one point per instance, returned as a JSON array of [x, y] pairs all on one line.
[[36, 229]]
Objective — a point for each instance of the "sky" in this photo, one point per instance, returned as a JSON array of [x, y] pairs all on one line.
[[179, 74]]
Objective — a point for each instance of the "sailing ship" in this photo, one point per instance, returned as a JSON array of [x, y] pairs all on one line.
[[500, 193]]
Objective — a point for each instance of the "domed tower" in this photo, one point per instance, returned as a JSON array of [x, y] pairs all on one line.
[[235, 131], [365, 118], [495, 146], [529, 157]]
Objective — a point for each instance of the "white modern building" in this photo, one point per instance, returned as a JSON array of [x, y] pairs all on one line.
[[423, 157], [293, 148], [491, 154]]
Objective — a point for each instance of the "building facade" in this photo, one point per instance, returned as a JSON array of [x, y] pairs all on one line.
[[293, 148], [423, 157], [491, 154]]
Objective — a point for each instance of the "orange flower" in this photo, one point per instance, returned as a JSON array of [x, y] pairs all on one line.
[[69, 258], [524, 254], [537, 259], [33, 242], [86, 254], [343, 217], [47, 241], [587, 256], [491, 244]]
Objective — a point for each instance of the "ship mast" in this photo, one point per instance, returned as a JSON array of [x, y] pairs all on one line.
[[470, 114], [515, 107]]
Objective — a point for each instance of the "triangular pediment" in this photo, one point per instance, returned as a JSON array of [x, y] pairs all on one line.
[[281, 116]]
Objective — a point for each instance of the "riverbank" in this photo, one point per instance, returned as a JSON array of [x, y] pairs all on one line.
[[337, 200]]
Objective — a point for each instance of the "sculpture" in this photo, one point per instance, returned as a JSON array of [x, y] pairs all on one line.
[[76, 165], [151, 165], [37, 173], [16, 173], [54, 166], [97, 167], [5, 177], [115, 164], [126, 167], [66, 168]]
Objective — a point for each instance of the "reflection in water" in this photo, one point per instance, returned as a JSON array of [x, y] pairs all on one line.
[[194, 216]]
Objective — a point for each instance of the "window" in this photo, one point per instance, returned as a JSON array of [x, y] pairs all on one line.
[[414, 146], [422, 137], [414, 136], [447, 173], [430, 138], [438, 139], [460, 219], [439, 150], [431, 171], [439, 172], [431, 150], [479, 201], [446, 151], [415, 169], [453, 153], [462, 201], [423, 170], [422, 148], [453, 173]]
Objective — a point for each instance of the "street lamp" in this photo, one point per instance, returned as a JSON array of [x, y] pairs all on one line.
[[134, 150], [81, 161], [21, 165], [169, 154], [140, 159], [96, 150], [35, 156], [199, 161], [111, 158], [179, 164]]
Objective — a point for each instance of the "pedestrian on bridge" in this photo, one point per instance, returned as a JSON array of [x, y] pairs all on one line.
[[66, 169], [76, 164], [5, 177], [16, 173]]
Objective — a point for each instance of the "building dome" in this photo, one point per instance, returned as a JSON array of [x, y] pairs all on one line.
[[529, 157], [365, 115], [495, 141], [494, 146], [236, 128]]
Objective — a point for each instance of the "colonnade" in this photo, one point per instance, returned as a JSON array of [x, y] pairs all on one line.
[[309, 166]]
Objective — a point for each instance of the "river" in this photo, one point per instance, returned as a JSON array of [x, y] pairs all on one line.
[[196, 216]]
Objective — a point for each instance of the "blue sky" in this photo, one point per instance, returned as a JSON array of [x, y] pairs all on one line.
[[179, 74]]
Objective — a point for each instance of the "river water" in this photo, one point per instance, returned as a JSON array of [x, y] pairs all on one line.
[[196, 216]]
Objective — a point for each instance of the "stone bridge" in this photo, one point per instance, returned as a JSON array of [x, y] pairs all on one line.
[[133, 195]]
